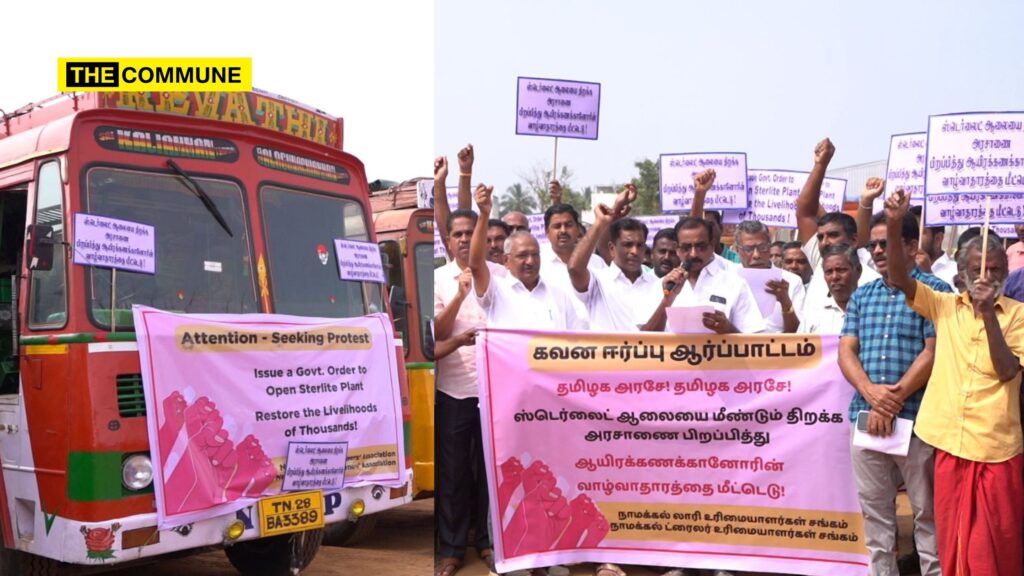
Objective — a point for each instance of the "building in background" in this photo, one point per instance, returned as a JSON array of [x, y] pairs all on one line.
[[857, 175]]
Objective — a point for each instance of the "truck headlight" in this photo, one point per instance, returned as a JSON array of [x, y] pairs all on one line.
[[137, 472]]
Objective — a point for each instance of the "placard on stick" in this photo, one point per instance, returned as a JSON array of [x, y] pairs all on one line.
[[972, 157], [559, 108], [113, 243]]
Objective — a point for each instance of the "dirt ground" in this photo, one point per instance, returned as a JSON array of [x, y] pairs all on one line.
[[475, 568], [401, 545]]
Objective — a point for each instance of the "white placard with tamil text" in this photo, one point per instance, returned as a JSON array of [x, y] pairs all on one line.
[[729, 191], [972, 156], [359, 261]]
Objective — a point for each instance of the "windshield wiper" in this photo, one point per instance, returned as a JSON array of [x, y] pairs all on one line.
[[194, 186]]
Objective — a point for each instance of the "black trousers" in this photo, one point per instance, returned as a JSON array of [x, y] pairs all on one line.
[[461, 479]]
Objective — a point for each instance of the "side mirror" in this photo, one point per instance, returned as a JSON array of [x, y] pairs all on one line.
[[40, 247]]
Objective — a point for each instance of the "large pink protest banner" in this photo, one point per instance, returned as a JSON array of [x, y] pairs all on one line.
[[673, 450], [241, 405]]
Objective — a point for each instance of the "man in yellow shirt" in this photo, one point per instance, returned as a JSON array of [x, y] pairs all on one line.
[[971, 407]]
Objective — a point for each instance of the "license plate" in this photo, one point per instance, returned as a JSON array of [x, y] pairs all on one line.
[[291, 512]]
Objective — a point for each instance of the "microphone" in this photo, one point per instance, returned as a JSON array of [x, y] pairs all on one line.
[[687, 264]]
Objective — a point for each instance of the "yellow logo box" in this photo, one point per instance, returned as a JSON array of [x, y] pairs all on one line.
[[154, 74]]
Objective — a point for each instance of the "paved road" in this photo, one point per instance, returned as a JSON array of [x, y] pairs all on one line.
[[401, 545]]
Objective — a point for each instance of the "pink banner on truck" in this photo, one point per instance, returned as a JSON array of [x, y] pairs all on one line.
[[241, 405], [685, 451]]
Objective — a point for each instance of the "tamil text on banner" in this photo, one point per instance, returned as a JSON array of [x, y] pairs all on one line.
[[693, 451], [729, 192], [970, 157], [241, 406]]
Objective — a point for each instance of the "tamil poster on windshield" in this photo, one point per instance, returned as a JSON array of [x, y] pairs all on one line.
[[246, 406], [725, 452]]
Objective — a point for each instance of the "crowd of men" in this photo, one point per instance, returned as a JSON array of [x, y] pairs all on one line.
[[923, 337]]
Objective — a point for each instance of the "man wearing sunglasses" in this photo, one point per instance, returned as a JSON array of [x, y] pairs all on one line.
[[886, 352]]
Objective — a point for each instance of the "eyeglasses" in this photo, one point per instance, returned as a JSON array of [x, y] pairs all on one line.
[[520, 228], [883, 244], [699, 247], [762, 248]]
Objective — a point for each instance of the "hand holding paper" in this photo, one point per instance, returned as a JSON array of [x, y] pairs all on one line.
[[718, 322], [897, 443], [689, 319], [758, 279]]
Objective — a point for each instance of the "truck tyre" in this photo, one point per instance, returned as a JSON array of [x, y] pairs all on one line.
[[348, 532], [282, 555]]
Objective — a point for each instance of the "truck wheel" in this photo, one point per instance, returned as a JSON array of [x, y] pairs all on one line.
[[349, 533], [283, 555]]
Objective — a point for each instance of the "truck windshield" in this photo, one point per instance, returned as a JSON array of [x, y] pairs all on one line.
[[199, 268], [300, 229]]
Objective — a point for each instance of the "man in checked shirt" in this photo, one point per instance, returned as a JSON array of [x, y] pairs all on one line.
[[886, 352]]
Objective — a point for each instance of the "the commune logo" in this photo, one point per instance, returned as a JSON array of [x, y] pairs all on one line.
[[154, 74]]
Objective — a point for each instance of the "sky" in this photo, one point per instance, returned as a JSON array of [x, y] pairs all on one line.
[[370, 63], [767, 78]]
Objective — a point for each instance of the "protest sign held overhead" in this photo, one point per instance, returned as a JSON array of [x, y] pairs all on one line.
[[773, 195], [905, 168], [560, 108], [972, 156], [729, 191], [731, 479]]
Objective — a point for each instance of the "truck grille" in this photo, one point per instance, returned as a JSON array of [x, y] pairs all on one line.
[[130, 399]]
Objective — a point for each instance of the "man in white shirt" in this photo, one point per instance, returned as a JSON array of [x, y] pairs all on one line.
[[818, 230], [497, 233], [931, 258], [457, 412], [705, 279], [522, 299], [623, 296], [753, 243], [842, 270], [562, 225], [794, 260]]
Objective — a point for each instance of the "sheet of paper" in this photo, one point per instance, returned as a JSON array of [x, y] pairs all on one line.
[[757, 278], [897, 444], [688, 319]]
